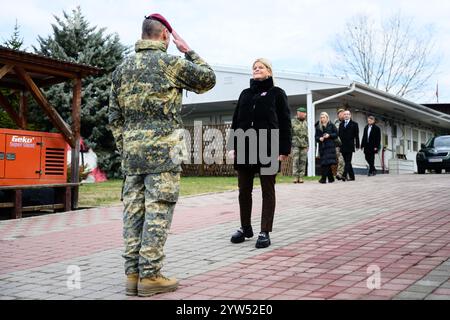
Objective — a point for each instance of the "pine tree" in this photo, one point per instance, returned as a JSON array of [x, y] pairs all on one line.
[[16, 41], [74, 40]]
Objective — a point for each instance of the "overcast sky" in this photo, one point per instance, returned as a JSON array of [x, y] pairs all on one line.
[[296, 35]]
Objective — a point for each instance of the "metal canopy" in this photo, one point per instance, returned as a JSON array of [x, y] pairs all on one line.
[[391, 106]]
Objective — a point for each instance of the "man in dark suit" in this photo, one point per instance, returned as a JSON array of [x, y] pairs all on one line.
[[349, 135], [371, 143]]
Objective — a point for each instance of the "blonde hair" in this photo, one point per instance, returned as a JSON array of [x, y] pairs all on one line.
[[266, 63], [326, 115]]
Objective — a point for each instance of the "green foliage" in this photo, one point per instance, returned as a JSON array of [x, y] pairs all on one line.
[[5, 120], [16, 41], [74, 40]]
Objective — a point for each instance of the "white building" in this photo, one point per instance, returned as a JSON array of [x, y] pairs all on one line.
[[405, 125]]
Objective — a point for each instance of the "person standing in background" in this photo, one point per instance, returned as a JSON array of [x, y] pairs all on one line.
[[349, 135], [340, 158], [300, 144], [371, 143], [326, 134]]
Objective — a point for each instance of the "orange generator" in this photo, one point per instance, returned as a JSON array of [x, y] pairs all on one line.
[[32, 158]]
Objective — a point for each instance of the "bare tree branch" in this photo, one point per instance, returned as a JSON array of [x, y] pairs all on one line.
[[395, 56]]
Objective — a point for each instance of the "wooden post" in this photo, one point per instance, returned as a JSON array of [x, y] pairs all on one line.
[[64, 197], [76, 129], [5, 70], [17, 210], [56, 119]]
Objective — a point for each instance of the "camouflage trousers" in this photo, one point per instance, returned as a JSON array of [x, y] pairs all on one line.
[[300, 160], [341, 163], [149, 202]]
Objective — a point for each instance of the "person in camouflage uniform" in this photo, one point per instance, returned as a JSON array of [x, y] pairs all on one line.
[[145, 119], [300, 145], [340, 158]]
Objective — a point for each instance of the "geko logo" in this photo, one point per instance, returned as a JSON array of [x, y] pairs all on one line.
[[18, 139]]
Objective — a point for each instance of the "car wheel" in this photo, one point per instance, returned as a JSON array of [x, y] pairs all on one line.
[[439, 171], [421, 170], [447, 170]]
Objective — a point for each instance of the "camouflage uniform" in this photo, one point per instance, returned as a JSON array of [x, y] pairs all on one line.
[[340, 158], [145, 119], [300, 145]]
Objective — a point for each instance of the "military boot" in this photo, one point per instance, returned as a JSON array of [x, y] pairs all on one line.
[[148, 287], [132, 284]]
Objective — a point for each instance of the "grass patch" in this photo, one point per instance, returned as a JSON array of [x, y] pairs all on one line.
[[108, 193]]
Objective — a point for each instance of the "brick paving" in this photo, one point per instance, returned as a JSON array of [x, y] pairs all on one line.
[[325, 241]]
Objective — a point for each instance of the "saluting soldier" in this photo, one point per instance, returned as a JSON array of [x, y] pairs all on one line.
[[145, 118]]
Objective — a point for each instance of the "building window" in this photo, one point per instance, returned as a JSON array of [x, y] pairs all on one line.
[[415, 140], [394, 131], [386, 140]]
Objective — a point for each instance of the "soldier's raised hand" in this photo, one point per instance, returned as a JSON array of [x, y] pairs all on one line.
[[182, 46]]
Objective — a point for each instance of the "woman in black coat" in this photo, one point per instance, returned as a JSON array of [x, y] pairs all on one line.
[[326, 134], [262, 107]]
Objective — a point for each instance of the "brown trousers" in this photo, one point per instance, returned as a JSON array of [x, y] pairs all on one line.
[[246, 202]]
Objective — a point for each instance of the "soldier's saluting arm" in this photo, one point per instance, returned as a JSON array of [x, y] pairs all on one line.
[[192, 73], [116, 119]]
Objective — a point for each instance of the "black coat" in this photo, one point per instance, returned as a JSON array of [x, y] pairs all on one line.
[[349, 136], [374, 140], [327, 149], [262, 106]]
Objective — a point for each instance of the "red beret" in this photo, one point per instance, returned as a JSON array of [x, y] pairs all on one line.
[[160, 18]]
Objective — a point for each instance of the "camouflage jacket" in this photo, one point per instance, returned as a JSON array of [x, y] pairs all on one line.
[[145, 106], [337, 123], [300, 133]]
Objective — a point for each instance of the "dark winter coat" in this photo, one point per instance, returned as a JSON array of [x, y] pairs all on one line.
[[327, 149], [349, 136], [373, 142], [262, 106]]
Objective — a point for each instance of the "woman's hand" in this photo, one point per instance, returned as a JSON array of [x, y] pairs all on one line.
[[326, 136], [232, 154], [322, 139], [283, 158]]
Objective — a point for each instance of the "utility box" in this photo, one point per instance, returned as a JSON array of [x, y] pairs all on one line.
[[400, 166], [32, 158]]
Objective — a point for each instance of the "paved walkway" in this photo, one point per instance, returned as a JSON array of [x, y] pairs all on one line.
[[329, 240]]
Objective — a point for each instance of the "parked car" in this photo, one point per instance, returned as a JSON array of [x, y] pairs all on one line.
[[434, 155]]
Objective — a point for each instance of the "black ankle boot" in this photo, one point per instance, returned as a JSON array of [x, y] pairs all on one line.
[[240, 235], [263, 240]]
